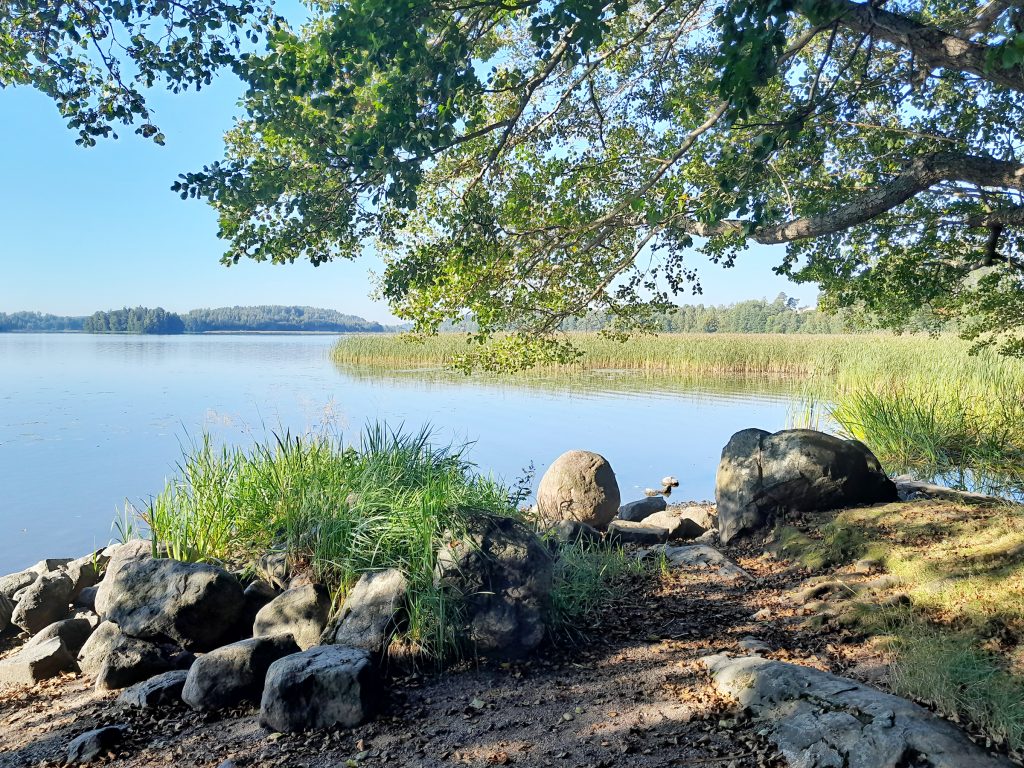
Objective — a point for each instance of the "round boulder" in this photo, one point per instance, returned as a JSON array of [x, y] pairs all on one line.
[[581, 486]]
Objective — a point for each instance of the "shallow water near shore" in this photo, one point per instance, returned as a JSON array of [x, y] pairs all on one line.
[[89, 421]]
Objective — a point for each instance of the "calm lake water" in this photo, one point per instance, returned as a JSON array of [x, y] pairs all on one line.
[[89, 421]]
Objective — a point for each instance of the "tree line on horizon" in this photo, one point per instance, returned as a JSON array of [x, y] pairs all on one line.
[[146, 320]]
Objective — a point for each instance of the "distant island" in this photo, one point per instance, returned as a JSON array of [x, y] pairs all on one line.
[[144, 320]]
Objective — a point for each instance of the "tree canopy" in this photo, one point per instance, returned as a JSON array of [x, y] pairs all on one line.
[[529, 161]]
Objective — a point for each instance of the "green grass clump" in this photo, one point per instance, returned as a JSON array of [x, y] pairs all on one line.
[[587, 578], [339, 511]]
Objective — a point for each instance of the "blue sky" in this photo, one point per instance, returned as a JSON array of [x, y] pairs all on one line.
[[99, 228]]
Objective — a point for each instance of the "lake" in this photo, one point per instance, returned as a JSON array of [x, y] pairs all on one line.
[[87, 422]]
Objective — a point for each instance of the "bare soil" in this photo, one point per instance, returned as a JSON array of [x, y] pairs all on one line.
[[627, 693]]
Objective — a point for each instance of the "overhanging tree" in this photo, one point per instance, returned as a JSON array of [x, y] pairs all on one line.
[[528, 161]]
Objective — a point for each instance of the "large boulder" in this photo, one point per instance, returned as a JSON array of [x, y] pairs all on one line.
[[301, 612], [579, 485], [326, 686], [116, 660], [234, 673], [502, 574], [818, 720], [372, 611], [97, 647], [762, 475], [35, 663], [132, 660], [194, 605], [119, 557], [44, 601]]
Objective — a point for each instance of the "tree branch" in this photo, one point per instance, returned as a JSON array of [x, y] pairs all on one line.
[[921, 174], [931, 45], [985, 18]]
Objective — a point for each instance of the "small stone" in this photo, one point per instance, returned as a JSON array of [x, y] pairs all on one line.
[[573, 533], [636, 511], [158, 691], [93, 744], [625, 532]]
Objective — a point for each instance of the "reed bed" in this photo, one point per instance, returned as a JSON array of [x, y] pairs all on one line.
[[923, 404]]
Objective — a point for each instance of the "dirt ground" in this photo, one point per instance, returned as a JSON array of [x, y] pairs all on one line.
[[628, 694]]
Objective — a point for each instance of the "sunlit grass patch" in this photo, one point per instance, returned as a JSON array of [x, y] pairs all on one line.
[[959, 643]]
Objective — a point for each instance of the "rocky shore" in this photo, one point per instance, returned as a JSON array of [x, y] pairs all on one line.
[[722, 652]]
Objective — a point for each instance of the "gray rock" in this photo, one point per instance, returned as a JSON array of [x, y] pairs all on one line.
[[193, 605], [119, 556], [636, 511], [579, 485], [116, 661], [159, 691], [50, 565], [703, 556], [301, 612], [94, 744], [72, 632], [86, 572], [6, 611], [257, 594], [502, 574], [234, 673], [326, 686], [274, 569], [625, 532], [762, 475], [132, 660], [818, 720], [909, 489], [574, 532], [86, 598], [373, 609], [44, 601], [678, 527], [96, 649], [35, 663], [13, 583]]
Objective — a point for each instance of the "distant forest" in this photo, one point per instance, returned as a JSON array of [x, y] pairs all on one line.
[[225, 319], [782, 315]]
